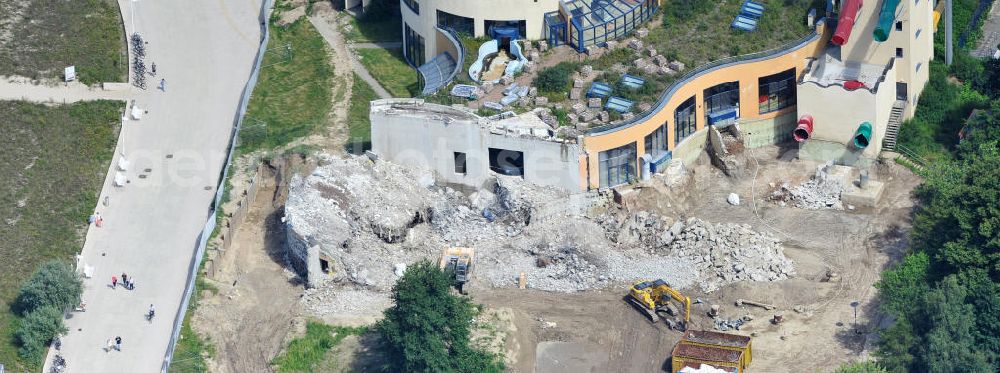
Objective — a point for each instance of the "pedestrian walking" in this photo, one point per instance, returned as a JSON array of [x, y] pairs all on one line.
[[163, 85], [111, 345], [153, 68], [118, 343], [114, 282], [152, 312], [124, 278], [131, 284]]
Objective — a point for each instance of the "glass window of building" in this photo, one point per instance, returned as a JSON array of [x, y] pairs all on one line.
[[656, 142], [617, 166], [414, 5], [777, 91], [461, 25], [414, 46], [684, 120]]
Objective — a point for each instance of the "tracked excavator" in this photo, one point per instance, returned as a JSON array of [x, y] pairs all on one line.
[[653, 298], [459, 261]]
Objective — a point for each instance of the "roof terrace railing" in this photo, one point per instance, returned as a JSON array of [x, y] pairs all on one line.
[[685, 78]]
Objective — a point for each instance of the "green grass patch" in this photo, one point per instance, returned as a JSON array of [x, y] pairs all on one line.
[[306, 353], [375, 30], [293, 94], [47, 36], [55, 159], [359, 124], [389, 68]]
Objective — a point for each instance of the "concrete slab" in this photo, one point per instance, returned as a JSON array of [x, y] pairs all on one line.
[[867, 197], [570, 357]]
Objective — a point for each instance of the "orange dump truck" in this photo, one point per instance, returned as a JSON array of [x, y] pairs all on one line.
[[729, 352]]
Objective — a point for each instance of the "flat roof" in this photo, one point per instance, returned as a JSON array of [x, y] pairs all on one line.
[[829, 70]]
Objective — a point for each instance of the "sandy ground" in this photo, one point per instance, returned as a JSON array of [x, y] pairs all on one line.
[[257, 302]]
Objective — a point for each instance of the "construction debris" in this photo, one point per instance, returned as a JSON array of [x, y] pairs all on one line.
[[741, 302], [820, 192], [355, 223]]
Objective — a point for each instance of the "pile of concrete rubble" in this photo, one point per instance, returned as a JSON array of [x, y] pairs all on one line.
[[364, 220], [820, 192]]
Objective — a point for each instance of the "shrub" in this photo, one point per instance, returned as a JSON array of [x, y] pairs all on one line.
[[53, 284], [555, 79], [861, 367], [37, 329]]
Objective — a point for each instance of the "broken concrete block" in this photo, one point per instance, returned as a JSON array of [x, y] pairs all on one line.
[[486, 87], [573, 118], [644, 107], [665, 71], [581, 127], [574, 94], [660, 60], [635, 44], [541, 101], [604, 116], [627, 116], [677, 65], [650, 69], [529, 67], [578, 108], [534, 55], [650, 51], [612, 44], [594, 102], [586, 70], [532, 92], [577, 83], [506, 80], [543, 45], [642, 32], [640, 63], [587, 116]]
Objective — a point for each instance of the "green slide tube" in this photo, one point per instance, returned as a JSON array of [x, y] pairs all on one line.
[[863, 136], [886, 19]]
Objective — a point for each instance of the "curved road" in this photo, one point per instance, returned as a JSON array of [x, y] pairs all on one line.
[[205, 50]]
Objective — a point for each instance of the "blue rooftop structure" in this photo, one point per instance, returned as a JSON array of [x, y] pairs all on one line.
[[619, 104], [632, 81], [593, 22], [744, 23], [598, 89]]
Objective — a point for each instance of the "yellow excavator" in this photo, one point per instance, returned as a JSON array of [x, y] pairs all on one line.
[[459, 260], [653, 297]]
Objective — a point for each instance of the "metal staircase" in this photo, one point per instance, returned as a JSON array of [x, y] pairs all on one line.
[[892, 131]]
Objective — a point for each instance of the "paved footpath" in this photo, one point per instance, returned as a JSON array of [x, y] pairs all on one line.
[[205, 51], [61, 93]]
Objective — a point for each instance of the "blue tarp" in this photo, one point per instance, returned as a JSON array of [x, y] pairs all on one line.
[[721, 116], [509, 32]]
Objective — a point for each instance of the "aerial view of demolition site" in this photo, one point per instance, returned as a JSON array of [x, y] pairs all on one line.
[[612, 193]]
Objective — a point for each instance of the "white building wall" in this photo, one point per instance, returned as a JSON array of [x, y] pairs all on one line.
[[837, 112], [918, 50], [531, 11], [425, 140]]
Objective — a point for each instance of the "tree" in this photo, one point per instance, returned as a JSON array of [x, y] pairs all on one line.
[[427, 330], [36, 331], [54, 284]]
